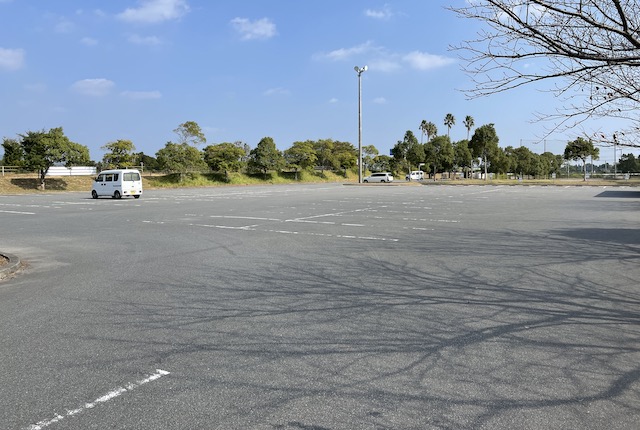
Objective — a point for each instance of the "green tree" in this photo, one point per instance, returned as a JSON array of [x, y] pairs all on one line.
[[120, 154], [439, 154], [191, 133], [13, 152], [526, 162], [462, 157], [627, 163], [581, 149], [224, 157], [449, 121], [324, 152], [300, 156], [382, 163], [146, 161], [369, 153], [45, 149], [407, 152], [484, 145], [550, 163], [345, 155], [180, 158], [265, 156]]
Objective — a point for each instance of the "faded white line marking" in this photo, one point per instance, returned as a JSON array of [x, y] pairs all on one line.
[[102, 399], [18, 213]]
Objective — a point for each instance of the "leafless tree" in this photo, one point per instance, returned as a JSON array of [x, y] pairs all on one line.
[[590, 49]]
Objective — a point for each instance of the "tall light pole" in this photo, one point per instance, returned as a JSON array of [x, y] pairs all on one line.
[[359, 71]]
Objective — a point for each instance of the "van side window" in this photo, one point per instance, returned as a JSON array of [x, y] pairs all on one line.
[[100, 178], [109, 178], [115, 177]]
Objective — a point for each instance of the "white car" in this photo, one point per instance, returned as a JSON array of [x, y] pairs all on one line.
[[379, 177], [416, 175]]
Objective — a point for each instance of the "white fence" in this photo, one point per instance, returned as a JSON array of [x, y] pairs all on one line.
[[72, 171]]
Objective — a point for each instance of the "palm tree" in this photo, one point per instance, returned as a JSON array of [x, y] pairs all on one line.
[[430, 130], [423, 129], [468, 123], [449, 121]]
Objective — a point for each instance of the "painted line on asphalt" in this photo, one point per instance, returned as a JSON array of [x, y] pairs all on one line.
[[17, 212], [100, 400]]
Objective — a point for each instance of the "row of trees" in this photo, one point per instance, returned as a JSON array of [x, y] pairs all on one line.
[[441, 155], [41, 150]]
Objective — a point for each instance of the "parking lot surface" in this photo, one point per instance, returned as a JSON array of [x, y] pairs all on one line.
[[323, 307]]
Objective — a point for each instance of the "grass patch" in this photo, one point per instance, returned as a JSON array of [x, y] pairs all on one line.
[[28, 183]]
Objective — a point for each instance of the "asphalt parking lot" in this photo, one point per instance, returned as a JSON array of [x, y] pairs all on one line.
[[323, 307]]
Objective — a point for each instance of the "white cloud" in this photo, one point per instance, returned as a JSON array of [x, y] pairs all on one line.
[[423, 61], [148, 40], [387, 65], [276, 91], [93, 87], [260, 29], [88, 41], [380, 100], [64, 26], [155, 11], [382, 14], [333, 100], [347, 53], [141, 95], [11, 59]]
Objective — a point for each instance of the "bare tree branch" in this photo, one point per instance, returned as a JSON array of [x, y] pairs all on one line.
[[590, 49]]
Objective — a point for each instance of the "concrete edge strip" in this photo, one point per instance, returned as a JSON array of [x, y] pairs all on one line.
[[12, 266]]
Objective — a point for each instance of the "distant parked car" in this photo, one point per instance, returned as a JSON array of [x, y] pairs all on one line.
[[379, 177], [416, 175]]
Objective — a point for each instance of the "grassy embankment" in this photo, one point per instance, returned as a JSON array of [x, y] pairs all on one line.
[[28, 183]]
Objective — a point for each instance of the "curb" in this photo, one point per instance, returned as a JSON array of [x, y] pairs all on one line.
[[12, 266]]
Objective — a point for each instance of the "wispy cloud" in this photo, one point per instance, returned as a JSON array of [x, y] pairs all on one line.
[[88, 41], [423, 61], [141, 95], [155, 11], [347, 53], [382, 60], [383, 14], [11, 59], [259, 29], [93, 87], [380, 100], [276, 91], [144, 40], [64, 26]]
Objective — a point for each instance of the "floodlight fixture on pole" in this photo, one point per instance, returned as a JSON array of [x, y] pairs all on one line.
[[359, 71]]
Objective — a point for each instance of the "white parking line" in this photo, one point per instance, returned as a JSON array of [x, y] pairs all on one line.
[[18, 213], [102, 399]]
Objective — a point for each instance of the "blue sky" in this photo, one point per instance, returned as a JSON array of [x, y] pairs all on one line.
[[246, 69]]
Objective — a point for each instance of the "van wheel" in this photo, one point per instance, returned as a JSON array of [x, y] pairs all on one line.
[[94, 194], [117, 195], [136, 196], [365, 181]]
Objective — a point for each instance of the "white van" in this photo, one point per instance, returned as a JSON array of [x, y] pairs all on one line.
[[416, 175], [117, 183]]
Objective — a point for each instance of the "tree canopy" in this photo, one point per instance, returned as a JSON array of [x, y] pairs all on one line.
[[43, 149], [581, 149], [120, 154], [265, 156], [484, 144]]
